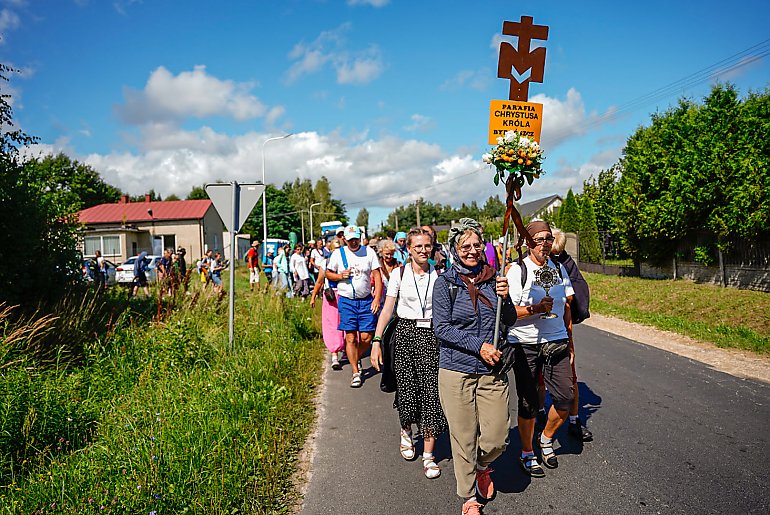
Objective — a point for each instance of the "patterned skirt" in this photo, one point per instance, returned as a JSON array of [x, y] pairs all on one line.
[[416, 366]]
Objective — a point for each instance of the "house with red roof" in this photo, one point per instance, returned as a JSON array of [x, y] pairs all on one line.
[[127, 228]]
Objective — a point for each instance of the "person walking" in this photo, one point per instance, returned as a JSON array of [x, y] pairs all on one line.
[[317, 259], [252, 262], [281, 269], [140, 274], [101, 271], [268, 267], [355, 267], [579, 311], [298, 269], [388, 262], [401, 253], [542, 345], [334, 339], [410, 294], [473, 387], [217, 265]]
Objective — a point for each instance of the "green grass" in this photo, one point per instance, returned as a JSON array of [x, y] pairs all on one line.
[[726, 317], [161, 418]]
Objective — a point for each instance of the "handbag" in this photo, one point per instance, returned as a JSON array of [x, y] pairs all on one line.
[[330, 294], [388, 346]]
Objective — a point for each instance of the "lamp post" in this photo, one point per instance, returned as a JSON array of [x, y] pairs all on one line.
[[264, 194], [311, 220]]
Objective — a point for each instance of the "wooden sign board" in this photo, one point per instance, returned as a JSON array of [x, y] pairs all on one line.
[[526, 118]]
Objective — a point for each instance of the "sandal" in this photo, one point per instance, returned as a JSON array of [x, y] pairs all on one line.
[[549, 458], [531, 466], [406, 446], [356, 382], [430, 468]]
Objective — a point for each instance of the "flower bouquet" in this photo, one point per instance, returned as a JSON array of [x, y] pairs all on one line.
[[517, 156]]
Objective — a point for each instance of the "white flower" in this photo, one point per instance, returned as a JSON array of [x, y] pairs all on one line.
[[500, 140], [487, 158], [510, 136], [534, 145], [524, 142]]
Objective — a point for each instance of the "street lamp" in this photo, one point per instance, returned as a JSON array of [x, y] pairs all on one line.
[[311, 219], [264, 194]]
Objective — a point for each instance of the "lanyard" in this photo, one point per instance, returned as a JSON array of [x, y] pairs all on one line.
[[422, 304]]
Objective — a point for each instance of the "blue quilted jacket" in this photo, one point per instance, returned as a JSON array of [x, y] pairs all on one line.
[[459, 330]]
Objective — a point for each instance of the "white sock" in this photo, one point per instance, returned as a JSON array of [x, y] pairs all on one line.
[[573, 419], [526, 454], [427, 456], [545, 441], [481, 469]]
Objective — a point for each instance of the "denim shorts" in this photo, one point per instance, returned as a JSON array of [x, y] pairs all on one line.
[[356, 314], [217, 280]]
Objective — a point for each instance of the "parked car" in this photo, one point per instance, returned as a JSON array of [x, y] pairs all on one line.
[[89, 271], [125, 272]]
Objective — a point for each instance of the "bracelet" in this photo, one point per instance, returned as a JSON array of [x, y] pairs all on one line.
[[377, 339]]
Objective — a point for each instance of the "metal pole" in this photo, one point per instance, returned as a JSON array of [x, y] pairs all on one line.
[[236, 195], [302, 224], [264, 193], [504, 260], [311, 220]]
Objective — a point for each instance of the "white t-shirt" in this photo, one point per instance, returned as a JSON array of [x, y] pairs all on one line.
[[361, 263], [318, 258], [101, 263], [534, 329], [298, 264], [414, 293]]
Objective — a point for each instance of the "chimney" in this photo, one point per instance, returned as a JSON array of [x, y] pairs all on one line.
[[124, 199], [147, 197]]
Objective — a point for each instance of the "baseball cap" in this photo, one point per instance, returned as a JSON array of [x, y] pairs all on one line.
[[351, 232]]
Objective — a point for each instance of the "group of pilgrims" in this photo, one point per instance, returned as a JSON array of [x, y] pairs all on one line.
[[438, 306]]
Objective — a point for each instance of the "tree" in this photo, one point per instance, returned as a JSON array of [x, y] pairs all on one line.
[[569, 214], [362, 219], [493, 208], [154, 197], [65, 175], [172, 197], [697, 169], [197, 193], [41, 253], [590, 247]]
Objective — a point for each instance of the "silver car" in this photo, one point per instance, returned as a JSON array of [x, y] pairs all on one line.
[[125, 271]]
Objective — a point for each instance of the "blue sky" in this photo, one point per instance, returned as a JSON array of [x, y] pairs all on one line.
[[387, 98]]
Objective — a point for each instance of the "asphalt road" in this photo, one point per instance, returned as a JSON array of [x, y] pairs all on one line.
[[671, 436]]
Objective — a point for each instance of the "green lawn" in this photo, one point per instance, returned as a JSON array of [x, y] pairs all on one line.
[[726, 317], [161, 418]]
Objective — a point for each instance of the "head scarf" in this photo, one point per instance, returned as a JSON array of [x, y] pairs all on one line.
[[482, 271], [537, 226]]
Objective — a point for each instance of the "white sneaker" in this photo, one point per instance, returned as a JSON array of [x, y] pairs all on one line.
[[336, 363]]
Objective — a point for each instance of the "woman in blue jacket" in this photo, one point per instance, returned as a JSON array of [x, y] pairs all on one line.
[[472, 387]]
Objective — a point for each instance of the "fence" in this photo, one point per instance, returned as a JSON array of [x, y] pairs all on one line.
[[746, 265]]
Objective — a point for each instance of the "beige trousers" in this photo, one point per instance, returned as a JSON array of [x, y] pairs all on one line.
[[476, 407]]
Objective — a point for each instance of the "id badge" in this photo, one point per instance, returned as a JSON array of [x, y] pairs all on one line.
[[424, 323]]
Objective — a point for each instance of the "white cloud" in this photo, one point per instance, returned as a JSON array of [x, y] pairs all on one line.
[[195, 93], [373, 3], [565, 119], [360, 71], [329, 49], [9, 21], [420, 123], [479, 80]]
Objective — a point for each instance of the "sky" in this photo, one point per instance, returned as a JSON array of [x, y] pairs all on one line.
[[389, 99]]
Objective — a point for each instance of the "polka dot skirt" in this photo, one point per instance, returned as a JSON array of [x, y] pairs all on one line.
[[416, 365]]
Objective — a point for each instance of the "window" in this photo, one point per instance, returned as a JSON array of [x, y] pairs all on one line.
[[109, 245], [162, 242]]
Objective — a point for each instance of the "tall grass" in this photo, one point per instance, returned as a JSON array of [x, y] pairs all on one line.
[[159, 417]]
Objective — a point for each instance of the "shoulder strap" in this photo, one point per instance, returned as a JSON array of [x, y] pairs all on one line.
[[344, 258]]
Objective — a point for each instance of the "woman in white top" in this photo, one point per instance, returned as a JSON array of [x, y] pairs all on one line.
[[410, 292]]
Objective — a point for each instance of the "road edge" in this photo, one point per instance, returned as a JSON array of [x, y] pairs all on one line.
[[743, 364], [304, 463]]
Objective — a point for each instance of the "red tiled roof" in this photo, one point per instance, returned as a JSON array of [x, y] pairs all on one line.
[[133, 212]]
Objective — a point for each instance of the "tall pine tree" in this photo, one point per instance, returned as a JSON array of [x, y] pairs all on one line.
[[590, 247], [569, 214]]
